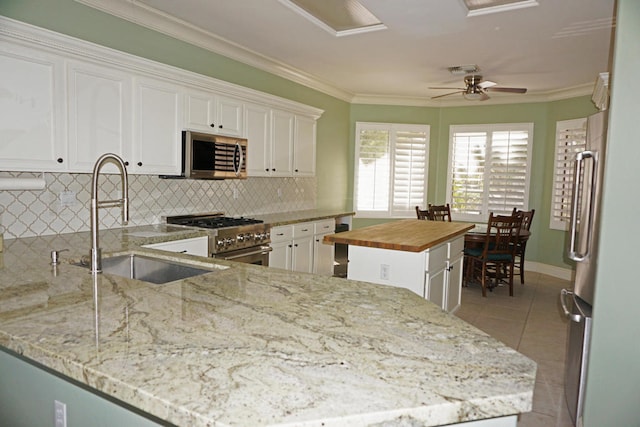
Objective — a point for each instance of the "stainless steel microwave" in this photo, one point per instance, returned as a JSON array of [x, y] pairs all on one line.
[[208, 156]]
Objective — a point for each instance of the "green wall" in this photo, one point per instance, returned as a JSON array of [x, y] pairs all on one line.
[[546, 246], [335, 148]]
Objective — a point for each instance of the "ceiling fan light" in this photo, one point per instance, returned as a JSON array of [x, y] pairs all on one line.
[[472, 96]]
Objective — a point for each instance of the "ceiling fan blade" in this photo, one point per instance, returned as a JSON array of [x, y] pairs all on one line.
[[508, 89], [484, 96], [451, 88], [446, 94], [486, 84]]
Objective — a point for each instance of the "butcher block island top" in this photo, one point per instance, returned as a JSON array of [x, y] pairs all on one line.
[[409, 235], [248, 345]]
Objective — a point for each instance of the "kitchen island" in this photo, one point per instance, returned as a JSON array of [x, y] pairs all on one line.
[[422, 256], [242, 345]]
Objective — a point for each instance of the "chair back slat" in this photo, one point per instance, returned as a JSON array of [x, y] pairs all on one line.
[[527, 217], [422, 214], [439, 212], [502, 235]]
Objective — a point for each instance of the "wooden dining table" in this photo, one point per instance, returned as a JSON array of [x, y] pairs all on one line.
[[476, 235]]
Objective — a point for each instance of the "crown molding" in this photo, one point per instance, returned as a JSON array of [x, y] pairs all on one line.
[[140, 14]]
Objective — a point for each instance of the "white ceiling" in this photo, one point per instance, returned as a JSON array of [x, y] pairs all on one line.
[[555, 49]]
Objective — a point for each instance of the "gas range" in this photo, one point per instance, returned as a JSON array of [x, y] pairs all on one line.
[[231, 233]]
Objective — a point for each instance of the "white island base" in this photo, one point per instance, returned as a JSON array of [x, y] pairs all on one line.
[[434, 274]]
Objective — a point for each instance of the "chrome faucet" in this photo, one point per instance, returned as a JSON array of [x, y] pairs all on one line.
[[96, 253]]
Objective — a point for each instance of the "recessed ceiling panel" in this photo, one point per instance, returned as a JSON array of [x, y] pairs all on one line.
[[339, 17]]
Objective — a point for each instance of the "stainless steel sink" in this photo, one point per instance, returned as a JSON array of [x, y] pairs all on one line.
[[149, 269]]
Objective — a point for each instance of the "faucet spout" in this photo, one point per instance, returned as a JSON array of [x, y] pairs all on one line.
[[96, 252]]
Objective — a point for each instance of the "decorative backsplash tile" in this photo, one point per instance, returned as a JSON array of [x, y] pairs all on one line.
[[63, 206]]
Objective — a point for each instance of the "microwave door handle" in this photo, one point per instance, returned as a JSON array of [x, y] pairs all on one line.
[[237, 167], [577, 182]]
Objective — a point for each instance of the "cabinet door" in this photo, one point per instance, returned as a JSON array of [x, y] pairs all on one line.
[[158, 113], [258, 132], [230, 117], [454, 283], [280, 256], [100, 110], [32, 110], [303, 254], [304, 149], [199, 114], [281, 143], [323, 256], [436, 291]]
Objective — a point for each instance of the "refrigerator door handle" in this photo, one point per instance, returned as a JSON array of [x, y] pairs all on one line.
[[573, 230], [574, 317]]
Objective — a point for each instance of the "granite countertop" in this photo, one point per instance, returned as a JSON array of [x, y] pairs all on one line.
[[249, 345], [294, 217], [411, 235]]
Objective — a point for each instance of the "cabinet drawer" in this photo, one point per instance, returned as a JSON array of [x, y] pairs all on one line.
[[194, 246], [324, 227], [303, 229], [282, 233], [437, 258], [455, 247]]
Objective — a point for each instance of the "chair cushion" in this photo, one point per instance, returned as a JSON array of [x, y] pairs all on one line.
[[499, 257], [473, 251]]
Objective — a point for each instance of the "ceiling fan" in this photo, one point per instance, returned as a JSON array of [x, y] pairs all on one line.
[[476, 89]]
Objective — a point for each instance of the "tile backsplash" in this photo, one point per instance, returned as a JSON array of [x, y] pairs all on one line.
[[63, 205]]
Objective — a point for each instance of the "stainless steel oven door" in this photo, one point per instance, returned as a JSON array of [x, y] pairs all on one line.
[[258, 255]]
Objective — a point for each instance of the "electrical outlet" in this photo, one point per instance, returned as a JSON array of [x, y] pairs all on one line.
[[384, 271], [60, 416], [67, 198]]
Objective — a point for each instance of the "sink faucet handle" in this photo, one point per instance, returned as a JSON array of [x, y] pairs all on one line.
[[55, 256]]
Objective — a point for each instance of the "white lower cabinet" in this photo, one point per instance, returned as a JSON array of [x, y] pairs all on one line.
[[297, 247], [194, 246], [435, 274]]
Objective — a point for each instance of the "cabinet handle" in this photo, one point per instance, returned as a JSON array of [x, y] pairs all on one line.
[[139, 163], [266, 170], [59, 160], [220, 126], [274, 169], [212, 125], [296, 170], [126, 163], [296, 245]]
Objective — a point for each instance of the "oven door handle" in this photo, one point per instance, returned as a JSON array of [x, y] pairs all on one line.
[[262, 251]]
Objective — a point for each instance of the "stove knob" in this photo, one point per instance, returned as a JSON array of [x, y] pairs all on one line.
[[229, 241], [220, 243], [240, 237]]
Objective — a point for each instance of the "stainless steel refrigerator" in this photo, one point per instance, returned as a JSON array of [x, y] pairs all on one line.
[[578, 302]]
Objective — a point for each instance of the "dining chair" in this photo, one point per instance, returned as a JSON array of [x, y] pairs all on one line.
[[422, 214], [439, 212], [495, 259], [527, 218]]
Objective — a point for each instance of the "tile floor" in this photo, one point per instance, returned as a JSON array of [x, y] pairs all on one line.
[[532, 323]]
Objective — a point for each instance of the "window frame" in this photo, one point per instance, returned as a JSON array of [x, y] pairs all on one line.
[[393, 129], [562, 185], [489, 129]]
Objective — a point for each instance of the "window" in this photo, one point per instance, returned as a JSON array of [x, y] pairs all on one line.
[[489, 169], [570, 139], [391, 169]]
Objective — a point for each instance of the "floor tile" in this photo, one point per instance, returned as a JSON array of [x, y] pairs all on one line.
[[532, 322]]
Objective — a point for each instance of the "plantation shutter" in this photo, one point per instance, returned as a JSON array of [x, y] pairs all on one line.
[[409, 171], [570, 140], [391, 169], [489, 169]]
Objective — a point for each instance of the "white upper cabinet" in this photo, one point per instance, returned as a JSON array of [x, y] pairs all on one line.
[[31, 110], [157, 127], [281, 143], [65, 102], [208, 112], [304, 148], [257, 124], [100, 114]]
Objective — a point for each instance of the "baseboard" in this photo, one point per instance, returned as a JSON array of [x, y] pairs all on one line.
[[551, 270]]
